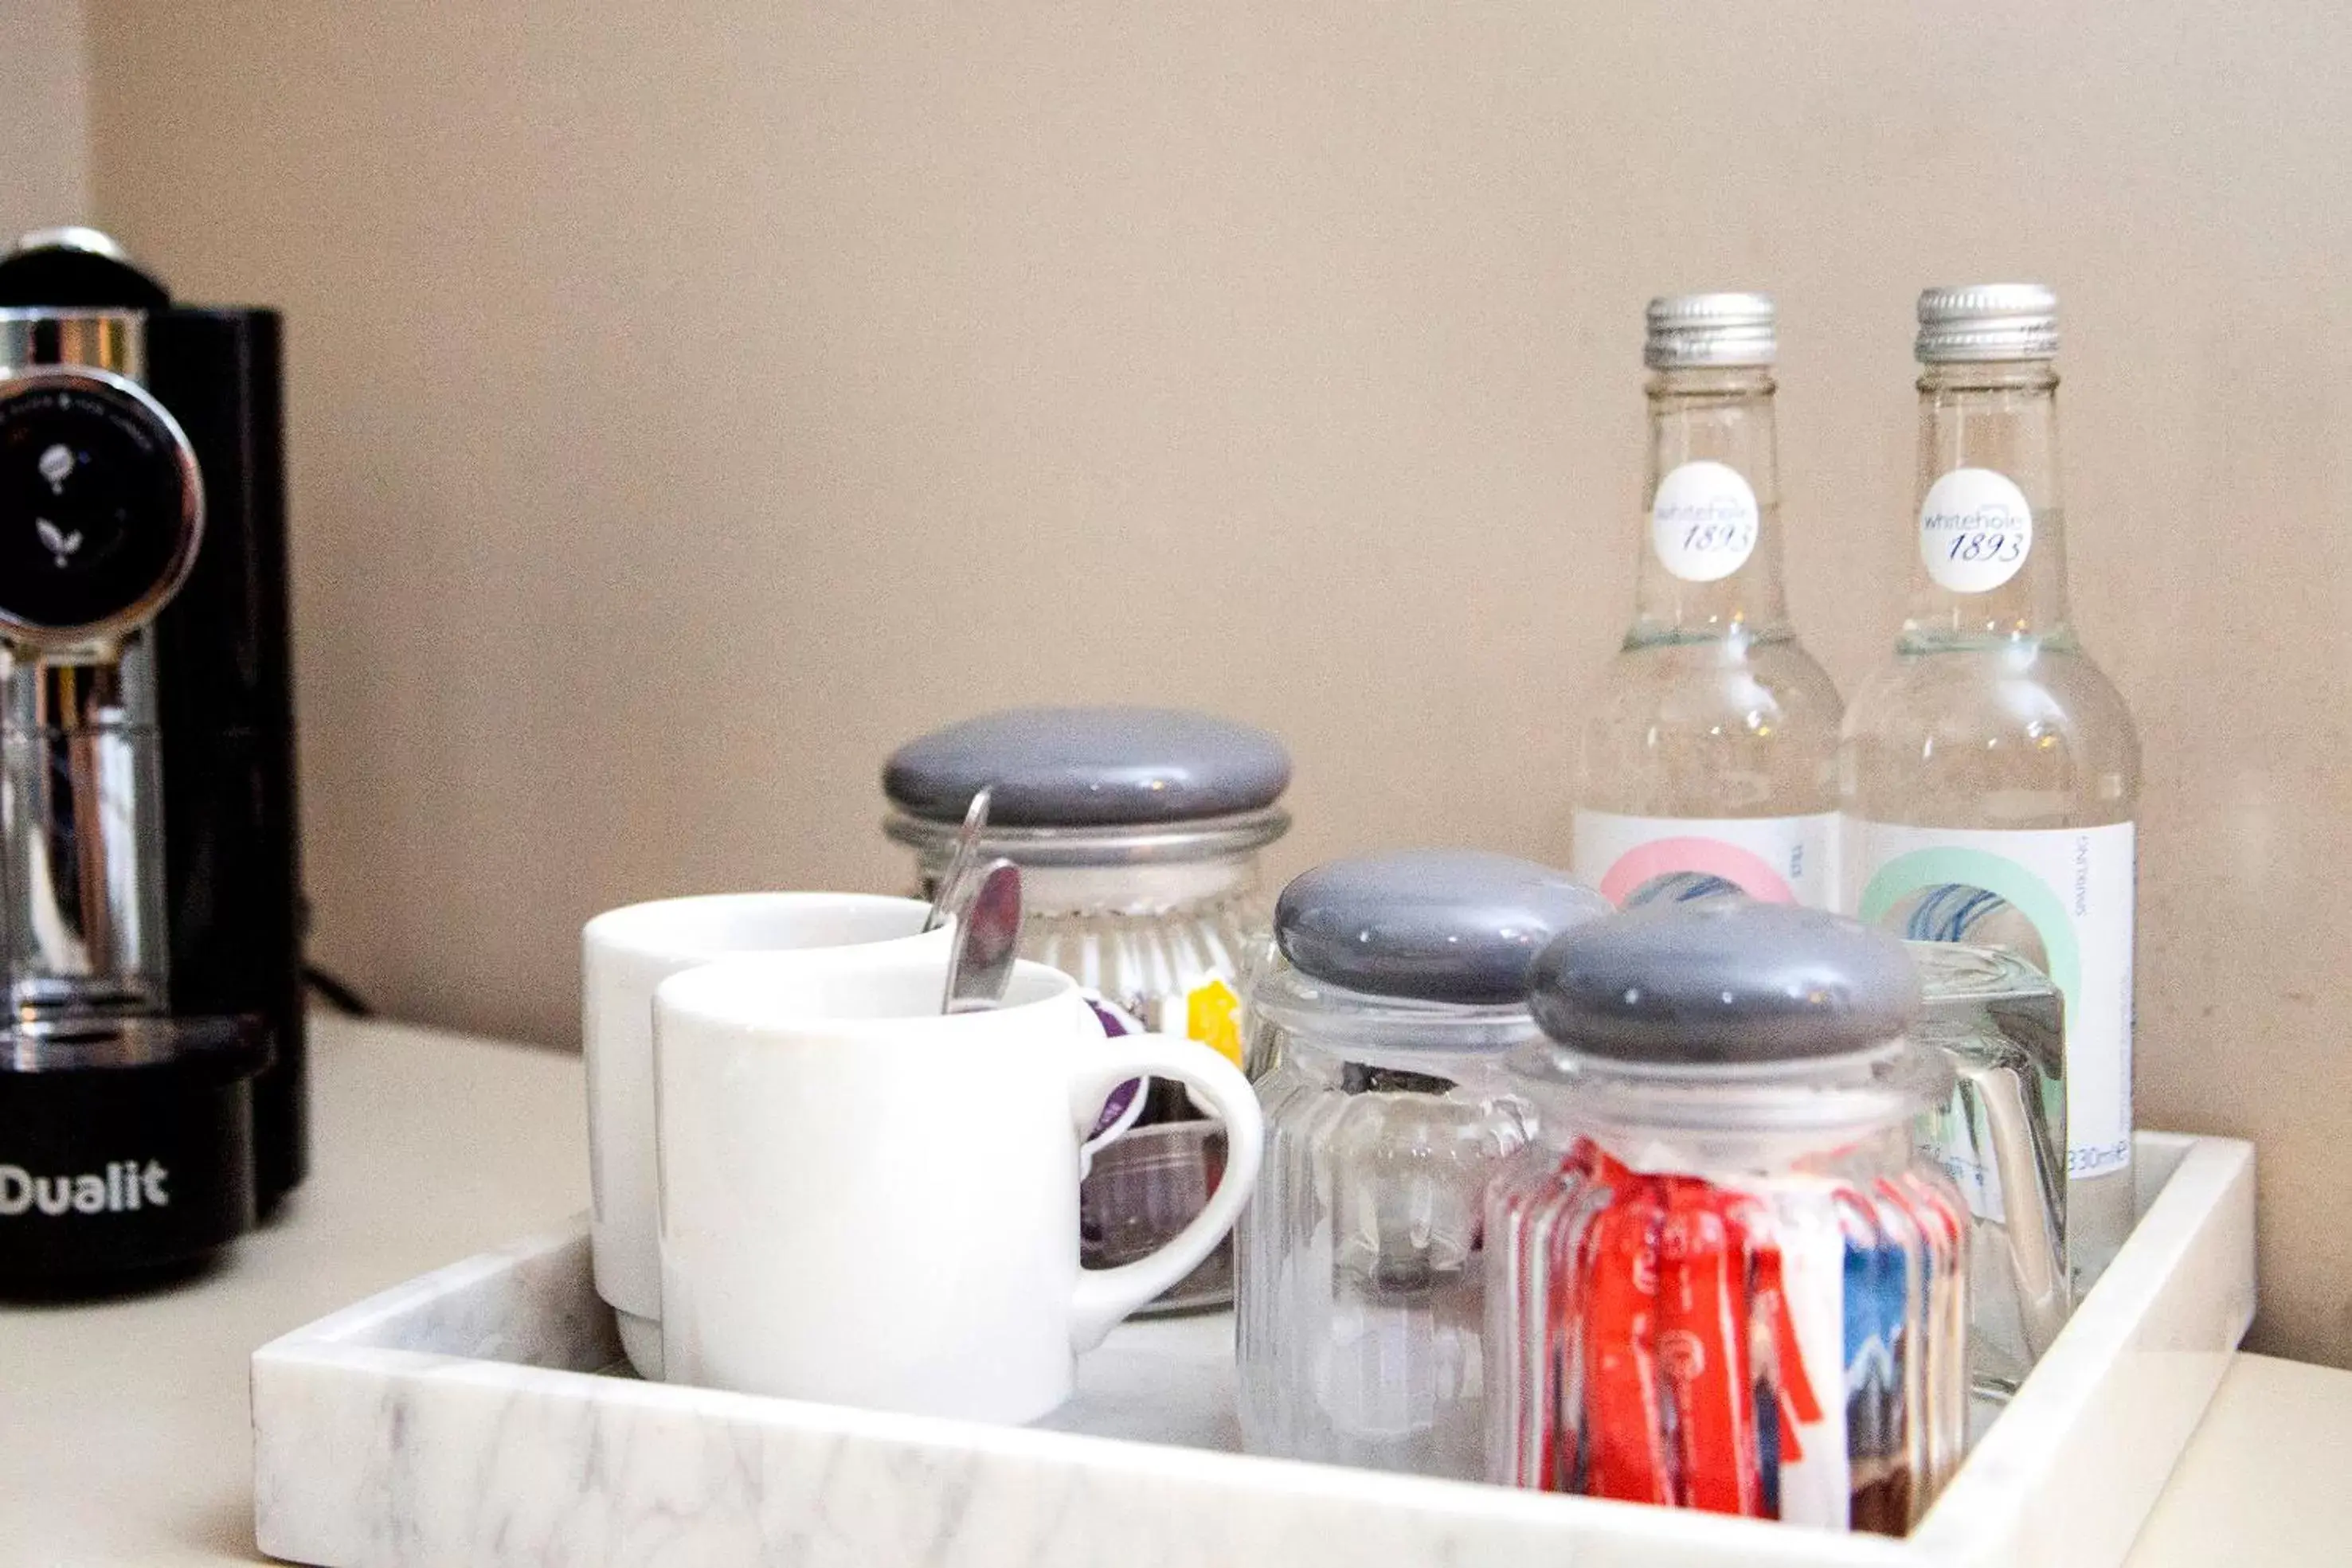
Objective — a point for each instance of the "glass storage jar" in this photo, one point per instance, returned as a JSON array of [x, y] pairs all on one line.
[[2001, 1024], [1138, 833], [1723, 1279], [1399, 991]]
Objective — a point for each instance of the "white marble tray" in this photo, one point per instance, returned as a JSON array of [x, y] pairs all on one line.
[[465, 1419]]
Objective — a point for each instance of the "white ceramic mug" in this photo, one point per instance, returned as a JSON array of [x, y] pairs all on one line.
[[865, 1202], [625, 954]]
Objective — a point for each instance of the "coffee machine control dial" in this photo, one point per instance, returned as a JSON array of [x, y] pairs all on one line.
[[102, 507]]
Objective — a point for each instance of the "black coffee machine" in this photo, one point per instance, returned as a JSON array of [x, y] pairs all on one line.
[[153, 1097]]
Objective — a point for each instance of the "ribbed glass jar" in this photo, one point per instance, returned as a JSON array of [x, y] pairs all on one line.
[[1736, 1288], [1360, 1304], [1161, 921]]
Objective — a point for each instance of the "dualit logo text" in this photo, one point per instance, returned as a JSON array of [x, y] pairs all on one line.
[[125, 1184]]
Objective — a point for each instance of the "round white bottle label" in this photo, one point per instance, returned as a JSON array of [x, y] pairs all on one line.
[[1702, 521], [1975, 530]]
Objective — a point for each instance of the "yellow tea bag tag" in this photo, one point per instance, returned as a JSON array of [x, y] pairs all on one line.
[[1213, 1016]]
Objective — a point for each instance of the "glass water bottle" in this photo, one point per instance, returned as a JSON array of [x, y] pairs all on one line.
[[1989, 773], [1709, 760]]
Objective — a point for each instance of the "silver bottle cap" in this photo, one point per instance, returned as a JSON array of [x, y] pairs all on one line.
[[1986, 321], [1689, 331]]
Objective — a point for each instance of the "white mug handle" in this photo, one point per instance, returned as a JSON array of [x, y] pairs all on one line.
[[1105, 1296]]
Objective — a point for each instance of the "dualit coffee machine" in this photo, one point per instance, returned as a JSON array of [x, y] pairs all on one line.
[[152, 1086]]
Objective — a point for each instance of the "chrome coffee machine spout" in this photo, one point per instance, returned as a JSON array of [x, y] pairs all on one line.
[[84, 907]]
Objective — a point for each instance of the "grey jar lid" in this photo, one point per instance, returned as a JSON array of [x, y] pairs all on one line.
[[1723, 983], [1088, 767], [1437, 926]]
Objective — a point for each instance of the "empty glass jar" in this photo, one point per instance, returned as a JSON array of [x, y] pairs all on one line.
[[2000, 1137], [1385, 1024], [1722, 1278], [1138, 833]]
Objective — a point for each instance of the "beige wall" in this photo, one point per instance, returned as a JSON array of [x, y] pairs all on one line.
[[44, 115], [692, 401]]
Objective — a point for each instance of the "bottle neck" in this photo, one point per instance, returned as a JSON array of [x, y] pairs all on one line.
[[1711, 529], [1992, 530]]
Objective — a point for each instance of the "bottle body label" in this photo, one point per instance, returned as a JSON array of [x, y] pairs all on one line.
[[2061, 898], [1703, 521], [1647, 860], [1975, 530]]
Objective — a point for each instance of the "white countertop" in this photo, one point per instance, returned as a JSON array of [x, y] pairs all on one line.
[[124, 1428]]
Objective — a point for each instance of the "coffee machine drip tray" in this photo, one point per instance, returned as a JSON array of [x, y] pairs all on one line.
[[126, 1146]]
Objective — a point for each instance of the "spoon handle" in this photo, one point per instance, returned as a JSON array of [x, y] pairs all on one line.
[[967, 846]]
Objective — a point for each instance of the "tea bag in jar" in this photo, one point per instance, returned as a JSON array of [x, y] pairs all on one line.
[[1724, 1278]]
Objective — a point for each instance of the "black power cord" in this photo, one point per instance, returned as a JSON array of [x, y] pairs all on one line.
[[335, 994]]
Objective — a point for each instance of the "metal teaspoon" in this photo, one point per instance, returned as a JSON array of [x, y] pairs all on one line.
[[988, 931], [967, 846]]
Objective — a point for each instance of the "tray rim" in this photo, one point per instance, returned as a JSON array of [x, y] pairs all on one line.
[[1957, 1528]]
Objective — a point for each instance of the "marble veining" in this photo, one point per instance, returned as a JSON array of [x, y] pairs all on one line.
[[460, 1419]]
